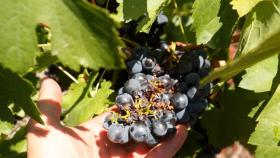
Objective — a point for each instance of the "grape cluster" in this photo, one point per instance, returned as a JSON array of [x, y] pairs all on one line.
[[163, 90]]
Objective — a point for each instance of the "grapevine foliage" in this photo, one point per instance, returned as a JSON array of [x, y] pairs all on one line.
[[91, 47]]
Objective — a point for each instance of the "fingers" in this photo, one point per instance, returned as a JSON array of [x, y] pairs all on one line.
[[49, 102], [169, 147]]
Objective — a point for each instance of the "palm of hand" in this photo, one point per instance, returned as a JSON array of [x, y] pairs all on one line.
[[87, 140]]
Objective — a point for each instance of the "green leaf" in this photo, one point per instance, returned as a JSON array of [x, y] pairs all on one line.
[[243, 7], [6, 120], [133, 10], [229, 18], [206, 21], [230, 122], [82, 34], [89, 105], [260, 41], [15, 147], [16, 89]]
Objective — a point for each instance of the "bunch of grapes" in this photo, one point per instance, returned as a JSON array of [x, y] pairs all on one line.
[[163, 90]]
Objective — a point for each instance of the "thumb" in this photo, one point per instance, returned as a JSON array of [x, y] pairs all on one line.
[[49, 102]]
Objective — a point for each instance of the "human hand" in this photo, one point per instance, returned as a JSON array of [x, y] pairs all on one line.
[[54, 140]]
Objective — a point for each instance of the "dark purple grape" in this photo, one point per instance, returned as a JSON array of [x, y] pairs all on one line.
[[159, 128], [201, 61], [182, 87], [162, 19], [165, 97], [164, 46], [107, 122], [138, 132], [207, 64], [149, 77], [157, 70], [169, 116], [203, 72], [192, 79], [198, 106], [116, 134], [148, 63], [151, 140], [124, 100], [205, 91], [171, 127], [140, 77], [132, 85], [179, 100], [165, 81], [120, 91], [183, 115], [184, 67], [134, 66], [191, 93]]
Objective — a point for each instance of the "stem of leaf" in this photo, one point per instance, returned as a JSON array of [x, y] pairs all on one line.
[[67, 74], [129, 41], [181, 23]]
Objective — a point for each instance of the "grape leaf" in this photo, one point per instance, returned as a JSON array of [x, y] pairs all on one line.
[[82, 34], [230, 122], [264, 76], [15, 147], [6, 120], [206, 21], [229, 18], [243, 7], [16, 89], [89, 106], [133, 10]]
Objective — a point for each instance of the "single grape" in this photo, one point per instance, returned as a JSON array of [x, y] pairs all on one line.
[[165, 81], [149, 77], [148, 63], [179, 100], [205, 91], [198, 106], [203, 72], [169, 116], [121, 91], [134, 66], [107, 122], [207, 64], [201, 61], [151, 140], [140, 77], [138, 132], [165, 97], [162, 19], [191, 93], [124, 100], [132, 85], [182, 87], [184, 67], [183, 115], [192, 79], [116, 133], [157, 70], [164, 46], [159, 128], [170, 127]]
